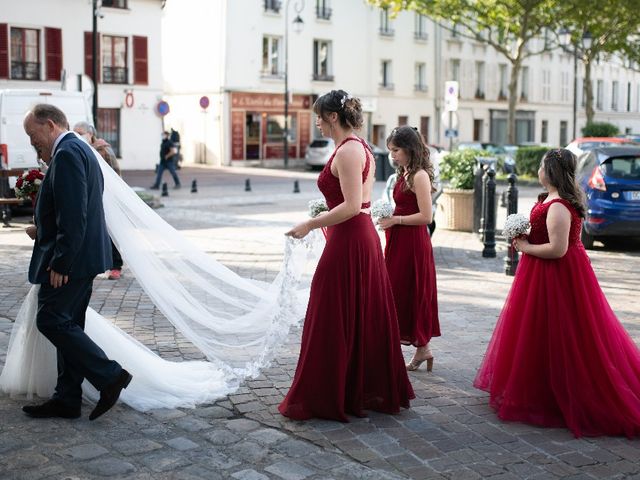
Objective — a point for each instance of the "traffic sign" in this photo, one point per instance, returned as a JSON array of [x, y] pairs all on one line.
[[451, 132], [451, 90], [162, 108], [204, 102]]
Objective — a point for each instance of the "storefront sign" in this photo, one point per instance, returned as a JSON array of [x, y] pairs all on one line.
[[267, 101], [237, 135]]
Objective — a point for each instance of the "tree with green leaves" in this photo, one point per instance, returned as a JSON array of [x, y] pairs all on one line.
[[509, 26]]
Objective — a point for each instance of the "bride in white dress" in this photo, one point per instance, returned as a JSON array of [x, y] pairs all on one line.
[[235, 322]]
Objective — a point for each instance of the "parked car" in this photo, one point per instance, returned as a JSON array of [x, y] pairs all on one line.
[[610, 177], [318, 152], [585, 144]]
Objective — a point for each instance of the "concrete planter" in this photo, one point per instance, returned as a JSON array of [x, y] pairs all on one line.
[[457, 210]]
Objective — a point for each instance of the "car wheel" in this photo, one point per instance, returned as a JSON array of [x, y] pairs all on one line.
[[587, 240]]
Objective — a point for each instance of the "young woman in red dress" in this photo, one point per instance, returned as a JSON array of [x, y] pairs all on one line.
[[350, 358], [408, 253], [559, 357]]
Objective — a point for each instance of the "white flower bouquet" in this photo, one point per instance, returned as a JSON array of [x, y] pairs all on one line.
[[381, 209], [515, 225], [317, 206]]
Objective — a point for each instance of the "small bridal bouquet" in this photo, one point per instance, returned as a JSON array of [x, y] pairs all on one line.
[[28, 184], [516, 225], [317, 206], [381, 209]]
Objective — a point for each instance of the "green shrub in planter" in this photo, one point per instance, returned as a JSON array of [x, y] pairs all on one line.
[[528, 160], [600, 129], [458, 167]]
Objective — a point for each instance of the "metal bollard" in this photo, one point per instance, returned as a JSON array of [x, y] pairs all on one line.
[[513, 257], [247, 185], [296, 186], [165, 190], [489, 210], [6, 216], [194, 186]]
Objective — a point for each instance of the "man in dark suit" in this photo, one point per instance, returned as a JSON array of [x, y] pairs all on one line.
[[71, 247]]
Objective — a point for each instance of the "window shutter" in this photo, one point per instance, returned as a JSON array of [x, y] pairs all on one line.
[[4, 50], [88, 55], [140, 61], [53, 49]]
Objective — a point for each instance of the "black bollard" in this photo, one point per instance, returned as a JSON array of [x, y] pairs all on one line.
[[513, 257], [194, 186], [6, 216], [296, 186], [478, 189], [165, 190], [247, 185], [489, 210]]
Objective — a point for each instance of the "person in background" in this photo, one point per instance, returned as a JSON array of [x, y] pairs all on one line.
[[167, 162], [88, 132], [174, 136]]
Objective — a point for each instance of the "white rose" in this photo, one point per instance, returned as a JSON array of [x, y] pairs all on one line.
[[37, 181]]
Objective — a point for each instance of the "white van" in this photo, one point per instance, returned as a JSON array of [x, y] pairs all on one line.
[[15, 147]]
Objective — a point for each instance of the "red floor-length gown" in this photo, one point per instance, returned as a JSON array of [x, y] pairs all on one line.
[[559, 356], [412, 271], [350, 358]]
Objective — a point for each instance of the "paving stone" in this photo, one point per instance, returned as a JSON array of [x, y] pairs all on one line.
[[267, 436], [84, 452], [108, 467], [182, 444], [242, 425], [137, 446], [249, 474], [221, 437], [289, 470]]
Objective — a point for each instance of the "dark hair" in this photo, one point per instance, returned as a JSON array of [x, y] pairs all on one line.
[[43, 112], [410, 140], [348, 108], [559, 167]]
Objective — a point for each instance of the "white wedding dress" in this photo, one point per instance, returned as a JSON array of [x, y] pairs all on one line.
[[236, 322]]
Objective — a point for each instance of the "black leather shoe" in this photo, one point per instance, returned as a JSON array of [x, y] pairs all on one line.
[[109, 396], [50, 409]]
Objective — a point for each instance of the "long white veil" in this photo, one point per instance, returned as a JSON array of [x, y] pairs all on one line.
[[234, 321]]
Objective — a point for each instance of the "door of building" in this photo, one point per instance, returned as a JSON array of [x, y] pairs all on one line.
[[252, 135], [109, 127], [379, 135]]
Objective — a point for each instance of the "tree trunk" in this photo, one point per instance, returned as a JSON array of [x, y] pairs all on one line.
[[513, 100], [588, 90]]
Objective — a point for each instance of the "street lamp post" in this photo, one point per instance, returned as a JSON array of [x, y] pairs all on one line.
[[94, 62], [298, 24]]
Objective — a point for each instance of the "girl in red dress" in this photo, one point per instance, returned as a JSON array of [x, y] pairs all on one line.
[[408, 253], [350, 357], [559, 356]]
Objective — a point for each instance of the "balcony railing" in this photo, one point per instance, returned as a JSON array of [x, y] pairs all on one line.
[[322, 77], [25, 70], [420, 87], [114, 75], [420, 36], [323, 13], [387, 32], [272, 6]]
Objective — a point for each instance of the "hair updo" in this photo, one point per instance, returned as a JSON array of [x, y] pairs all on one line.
[[348, 108]]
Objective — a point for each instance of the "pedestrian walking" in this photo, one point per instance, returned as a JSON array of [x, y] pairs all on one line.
[[167, 162]]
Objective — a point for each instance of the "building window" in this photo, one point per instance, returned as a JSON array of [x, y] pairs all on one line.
[[599, 94], [403, 120], [275, 128], [323, 11], [114, 3], [454, 67], [544, 131], [480, 78], [477, 129], [614, 95], [114, 59], [502, 72], [421, 77], [420, 32], [322, 68], [524, 84], [386, 81], [546, 85], [25, 54], [563, 132], [109, 127], [564, 86], [272, 6], [385, 23], [271, 56]]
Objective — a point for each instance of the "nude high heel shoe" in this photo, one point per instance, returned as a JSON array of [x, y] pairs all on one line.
[[414, 364]]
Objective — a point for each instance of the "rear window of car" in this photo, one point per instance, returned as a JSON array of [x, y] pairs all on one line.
[[319, 143], [627, 168]]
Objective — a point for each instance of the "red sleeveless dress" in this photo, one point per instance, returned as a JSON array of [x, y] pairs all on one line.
[[350, 357], [412, 271], [559, 356]]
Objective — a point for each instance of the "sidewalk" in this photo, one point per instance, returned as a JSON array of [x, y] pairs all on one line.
[[449, 432]]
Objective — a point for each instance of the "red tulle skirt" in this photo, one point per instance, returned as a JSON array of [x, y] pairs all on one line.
[[559, 357], [350, 358], [412, 271]]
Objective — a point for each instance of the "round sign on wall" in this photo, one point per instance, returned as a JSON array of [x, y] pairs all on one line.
[[204, 102], [162, 108]]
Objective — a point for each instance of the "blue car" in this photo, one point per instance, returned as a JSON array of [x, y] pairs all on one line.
[[610, 176]]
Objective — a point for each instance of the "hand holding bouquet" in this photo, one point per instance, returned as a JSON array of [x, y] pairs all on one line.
[[28, 184], [381, 209], [516, 225]]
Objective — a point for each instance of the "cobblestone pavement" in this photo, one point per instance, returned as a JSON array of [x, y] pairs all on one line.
[[449, 432]]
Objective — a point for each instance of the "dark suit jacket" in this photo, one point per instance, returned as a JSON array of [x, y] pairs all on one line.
[[72, 235]]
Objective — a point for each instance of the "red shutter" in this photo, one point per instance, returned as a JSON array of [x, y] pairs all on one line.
[[88, 55], [140, 61], [4, 51], [53, 52]]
